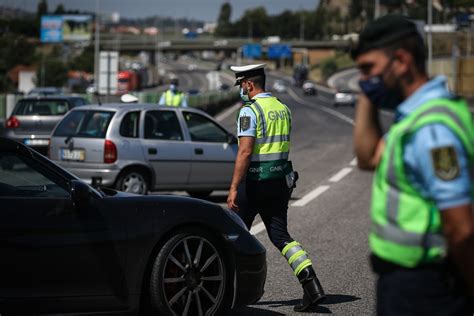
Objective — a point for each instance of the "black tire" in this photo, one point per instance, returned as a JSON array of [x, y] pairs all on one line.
[[200, 194], [133, 181], [179, 282]]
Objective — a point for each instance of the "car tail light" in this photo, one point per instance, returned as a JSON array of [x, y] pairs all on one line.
[[110, 152], [12, 122]]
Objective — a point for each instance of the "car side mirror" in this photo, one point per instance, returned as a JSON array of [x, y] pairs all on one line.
[[80, 193], [231, 139]]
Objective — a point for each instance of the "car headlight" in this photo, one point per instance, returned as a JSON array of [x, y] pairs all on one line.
[[236, 218]]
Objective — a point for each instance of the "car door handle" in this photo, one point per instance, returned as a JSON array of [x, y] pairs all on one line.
[[152, 151], [198, 151]]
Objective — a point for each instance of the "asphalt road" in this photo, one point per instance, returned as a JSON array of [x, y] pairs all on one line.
[[328, 213]]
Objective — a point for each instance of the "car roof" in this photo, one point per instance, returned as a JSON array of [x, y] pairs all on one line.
[[122, 107], [51, 97]]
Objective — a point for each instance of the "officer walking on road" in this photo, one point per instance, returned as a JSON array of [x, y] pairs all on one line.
[[263, 127], [422, 229], [173, 96]]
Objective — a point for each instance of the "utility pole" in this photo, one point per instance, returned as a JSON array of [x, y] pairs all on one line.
[[430, 35], [250, 29], [302, 26], [96, 46]]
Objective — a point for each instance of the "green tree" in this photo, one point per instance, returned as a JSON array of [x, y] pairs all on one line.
[[85, 61], [55, 72], [224, 26], [60, 9]]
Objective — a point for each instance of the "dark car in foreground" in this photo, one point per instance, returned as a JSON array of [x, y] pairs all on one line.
[[68, 248], [34, 118]]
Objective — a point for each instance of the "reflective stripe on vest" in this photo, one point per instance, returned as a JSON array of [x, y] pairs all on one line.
[[406, 228], [296, 256], [273, 130], [173, 99]]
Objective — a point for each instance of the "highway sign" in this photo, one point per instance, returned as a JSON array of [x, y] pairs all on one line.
[[252, 50], [277, 51]]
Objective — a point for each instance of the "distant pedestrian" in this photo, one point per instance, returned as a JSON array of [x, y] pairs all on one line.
[[173, 96], [422, 232]]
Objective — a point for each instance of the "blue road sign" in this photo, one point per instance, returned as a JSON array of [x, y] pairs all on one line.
[[252, 50], [279, 51], [51, 29]]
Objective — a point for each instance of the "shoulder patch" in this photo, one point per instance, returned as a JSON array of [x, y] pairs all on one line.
[[244, 123], [445, 162]]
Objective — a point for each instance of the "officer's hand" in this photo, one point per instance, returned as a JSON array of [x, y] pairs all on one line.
[[232, 200]]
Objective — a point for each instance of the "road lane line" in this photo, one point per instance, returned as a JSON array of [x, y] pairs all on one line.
[[260, 227], [341, 174], [311, 195], [353, 162], [321, 108]]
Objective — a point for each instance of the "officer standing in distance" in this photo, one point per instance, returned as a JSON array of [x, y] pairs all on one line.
[[173, 96], [263, 128], [422, 232]]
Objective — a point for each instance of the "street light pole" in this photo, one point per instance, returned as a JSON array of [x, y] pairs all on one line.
[[96, 46], [430, 35], [377, 9]]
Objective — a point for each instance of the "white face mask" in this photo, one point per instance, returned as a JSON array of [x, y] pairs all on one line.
[[173, 87], [244, 96]]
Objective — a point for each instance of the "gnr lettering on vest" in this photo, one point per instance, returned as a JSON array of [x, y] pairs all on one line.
[[277, 115], [276, 169], [255, 170]]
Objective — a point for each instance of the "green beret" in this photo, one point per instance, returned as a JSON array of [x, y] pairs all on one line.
[[383, 32]]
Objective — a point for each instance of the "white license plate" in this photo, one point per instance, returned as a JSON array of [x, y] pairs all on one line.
[[36, 142], [74, 154]]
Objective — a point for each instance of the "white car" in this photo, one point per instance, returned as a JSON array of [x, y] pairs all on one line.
[[345, 97], [279, 86]]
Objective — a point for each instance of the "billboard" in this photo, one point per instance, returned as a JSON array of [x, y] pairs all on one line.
[[51, 29], [252, 50], [279, 51], [66, 28]]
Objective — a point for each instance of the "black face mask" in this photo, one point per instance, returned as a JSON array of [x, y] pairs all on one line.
[[379, 94]]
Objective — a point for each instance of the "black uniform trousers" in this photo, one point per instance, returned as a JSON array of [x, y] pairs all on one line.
[[426, 290], [269, 198]]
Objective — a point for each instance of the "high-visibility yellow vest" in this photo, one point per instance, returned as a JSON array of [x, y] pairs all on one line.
[[173, 98], [406, 227], [272, 143]]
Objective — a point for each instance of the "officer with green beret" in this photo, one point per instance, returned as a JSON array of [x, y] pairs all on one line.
[[422, 232], [263, 128]]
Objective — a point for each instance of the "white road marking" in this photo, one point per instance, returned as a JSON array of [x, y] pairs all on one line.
[[321, 108], [341, 174], [353, 162], [311, 195], [260, 227]]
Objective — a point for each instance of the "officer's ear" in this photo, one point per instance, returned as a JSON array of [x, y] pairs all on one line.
[[403, 62]]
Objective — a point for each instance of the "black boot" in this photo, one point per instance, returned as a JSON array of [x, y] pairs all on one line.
[[313, 291]]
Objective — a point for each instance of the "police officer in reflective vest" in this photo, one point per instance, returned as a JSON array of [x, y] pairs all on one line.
[[173, 96], [264, 126], [422, 232]]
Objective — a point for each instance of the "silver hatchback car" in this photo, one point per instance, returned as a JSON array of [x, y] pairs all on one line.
[[145, 147]]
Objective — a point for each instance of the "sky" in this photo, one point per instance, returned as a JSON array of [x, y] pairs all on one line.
[[203, 10]]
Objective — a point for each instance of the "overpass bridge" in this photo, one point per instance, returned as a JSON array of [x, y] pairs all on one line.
[[135, 43]]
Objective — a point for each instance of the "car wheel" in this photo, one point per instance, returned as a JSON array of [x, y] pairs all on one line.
[[189, 276], [133, 182], [200, 194]]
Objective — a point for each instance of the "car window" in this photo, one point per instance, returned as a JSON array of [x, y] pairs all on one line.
[[41, 107], [203, 129], [162, 125], [79, 102], [129, 125], [88, 124], [20, 177]]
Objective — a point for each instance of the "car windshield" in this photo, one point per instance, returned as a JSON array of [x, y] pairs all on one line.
[[88, 124], [41, 107]]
